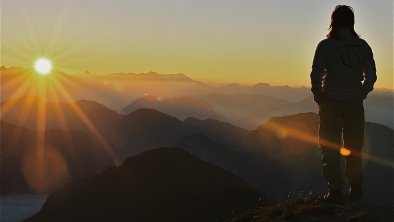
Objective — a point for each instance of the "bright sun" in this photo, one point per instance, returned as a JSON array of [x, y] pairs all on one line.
[[43, 66]]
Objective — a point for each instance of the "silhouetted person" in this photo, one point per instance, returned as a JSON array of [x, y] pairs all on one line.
[[343, 73]]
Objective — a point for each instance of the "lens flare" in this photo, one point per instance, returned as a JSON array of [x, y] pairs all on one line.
[[344, 151], [44, 169]]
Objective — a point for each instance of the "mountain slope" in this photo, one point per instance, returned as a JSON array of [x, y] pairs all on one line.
[[260, 171], [60, 115], [166, 184], [223, 132], [145, 129]]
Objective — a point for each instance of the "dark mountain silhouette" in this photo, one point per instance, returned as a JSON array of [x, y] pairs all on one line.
[[292, 157], [166, 184], [145, 129], [225, 133], [91, 117], [257, 170], [27, 166], [24, 112], [211, 140], [179, 107], [217, 142]]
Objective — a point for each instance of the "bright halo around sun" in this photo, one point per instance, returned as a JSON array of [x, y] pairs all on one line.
[[43, 66]]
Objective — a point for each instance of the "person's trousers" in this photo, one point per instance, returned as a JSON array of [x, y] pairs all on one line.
[[341, 125]]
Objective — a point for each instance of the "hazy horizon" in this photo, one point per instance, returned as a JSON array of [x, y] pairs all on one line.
[[210, 82]]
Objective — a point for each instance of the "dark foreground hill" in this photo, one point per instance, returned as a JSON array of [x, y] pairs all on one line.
[[166, 184]]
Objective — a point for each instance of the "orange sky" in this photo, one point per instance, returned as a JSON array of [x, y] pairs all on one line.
[[231, 41]]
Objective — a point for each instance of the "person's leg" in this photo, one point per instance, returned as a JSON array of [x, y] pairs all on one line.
[[330, 140], [353, 136]]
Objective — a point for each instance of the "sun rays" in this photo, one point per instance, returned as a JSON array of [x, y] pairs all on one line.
[[85, 119], [30, 93], [31, 98]]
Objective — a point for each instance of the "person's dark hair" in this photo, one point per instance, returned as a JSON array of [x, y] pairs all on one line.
[[341, 17]]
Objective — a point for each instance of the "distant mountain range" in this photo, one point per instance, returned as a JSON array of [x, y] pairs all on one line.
[[251, 110], [182, 97], [150, 76], [279, 156], [114, 90], [177, 94], [292, 94]]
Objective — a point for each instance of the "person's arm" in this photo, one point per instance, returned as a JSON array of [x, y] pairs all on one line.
[[369, 72], [318, 71]]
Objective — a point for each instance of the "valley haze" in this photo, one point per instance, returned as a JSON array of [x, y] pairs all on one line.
[[247, 106]]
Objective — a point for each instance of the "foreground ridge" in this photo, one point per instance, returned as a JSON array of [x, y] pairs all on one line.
[[311, 210]]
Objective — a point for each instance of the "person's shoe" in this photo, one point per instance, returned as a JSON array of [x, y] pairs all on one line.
[[356, 193], [334, 197]]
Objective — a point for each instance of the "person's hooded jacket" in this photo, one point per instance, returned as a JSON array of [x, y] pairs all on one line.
[[343, 69]]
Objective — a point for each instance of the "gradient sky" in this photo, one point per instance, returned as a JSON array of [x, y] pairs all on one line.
[[245, 41]]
